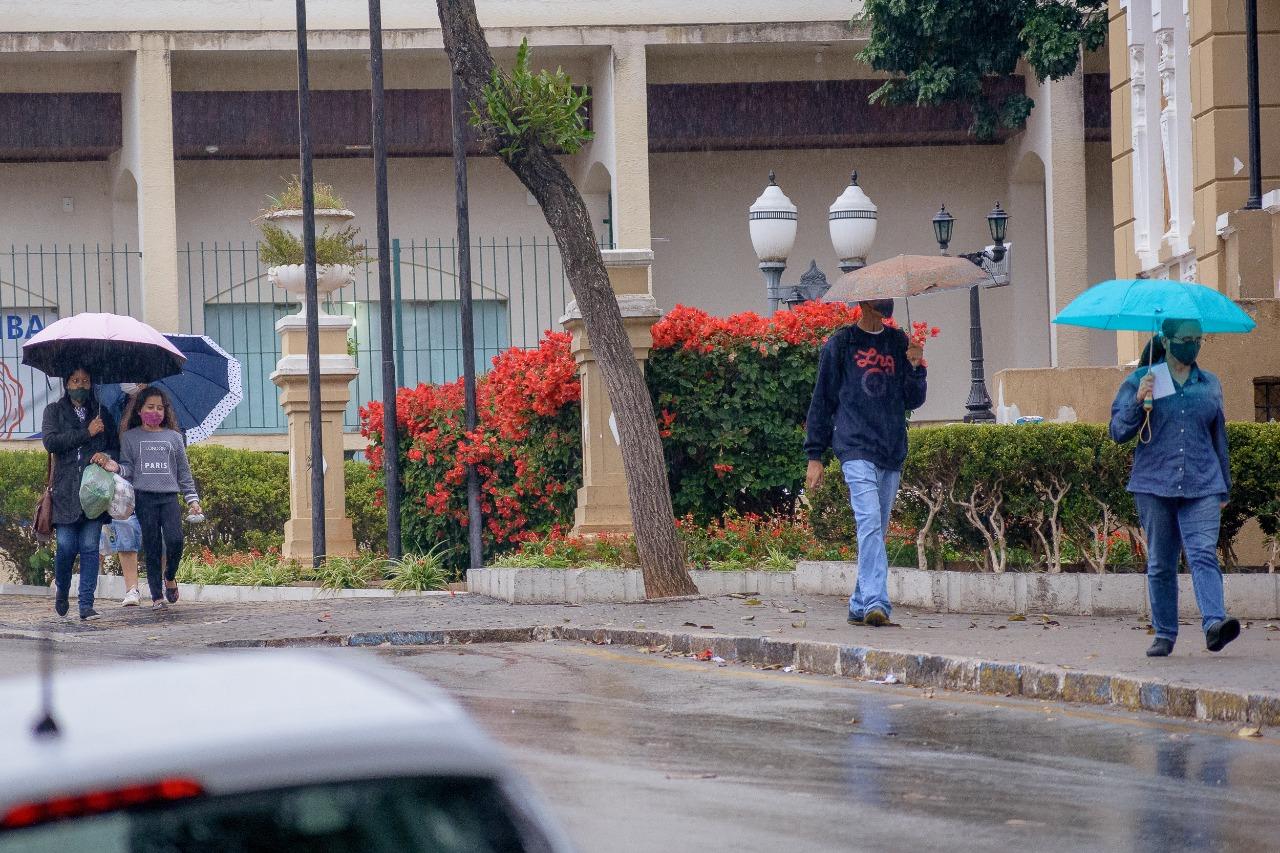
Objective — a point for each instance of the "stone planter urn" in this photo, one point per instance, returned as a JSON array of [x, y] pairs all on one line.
[[292, 278]]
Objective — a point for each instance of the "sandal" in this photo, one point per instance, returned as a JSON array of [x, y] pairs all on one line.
[[171, 591]]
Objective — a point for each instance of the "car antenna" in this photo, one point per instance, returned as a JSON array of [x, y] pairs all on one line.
[[46, 726]]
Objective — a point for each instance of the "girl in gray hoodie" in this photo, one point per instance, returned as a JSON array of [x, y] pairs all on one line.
[[153, 456]]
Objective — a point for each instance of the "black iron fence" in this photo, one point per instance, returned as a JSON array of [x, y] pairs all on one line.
[[518, 287]]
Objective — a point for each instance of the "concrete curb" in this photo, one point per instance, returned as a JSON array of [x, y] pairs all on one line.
[[1255, 596], [112, 586], [974, 675]]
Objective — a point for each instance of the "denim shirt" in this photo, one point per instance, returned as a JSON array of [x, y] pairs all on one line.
[[1187, 454]]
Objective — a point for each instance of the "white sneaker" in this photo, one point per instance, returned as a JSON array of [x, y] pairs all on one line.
[[130, 598]]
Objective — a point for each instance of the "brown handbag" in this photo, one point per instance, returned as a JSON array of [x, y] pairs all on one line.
[[42, 523]]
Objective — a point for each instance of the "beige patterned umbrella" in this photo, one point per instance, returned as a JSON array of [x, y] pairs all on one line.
[[906, 275]]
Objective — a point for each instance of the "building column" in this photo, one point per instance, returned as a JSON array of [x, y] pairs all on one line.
[[630, 106], [622, 145], [1066, 212], [148, 155], [603, 504]]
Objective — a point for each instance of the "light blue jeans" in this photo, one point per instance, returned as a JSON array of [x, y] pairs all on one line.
[[871, 492], [1172, 526]]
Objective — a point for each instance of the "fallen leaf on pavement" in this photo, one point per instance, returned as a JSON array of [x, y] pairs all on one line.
[[1001, 627], [1017, 617], [799, 624], [973, 624], [796, 610], [687, 624], [707, 627], [1250, 731], [750, 618], [752, 602], [1271, 627], [772, 666]]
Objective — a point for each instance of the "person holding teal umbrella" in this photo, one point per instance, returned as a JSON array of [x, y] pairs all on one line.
[[1181, 477]]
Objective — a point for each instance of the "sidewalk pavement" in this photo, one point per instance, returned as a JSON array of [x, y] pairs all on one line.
[[1098, 660]]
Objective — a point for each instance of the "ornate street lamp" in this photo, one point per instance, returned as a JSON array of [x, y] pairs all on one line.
[[979, 402], [852, 222], [772, 221]]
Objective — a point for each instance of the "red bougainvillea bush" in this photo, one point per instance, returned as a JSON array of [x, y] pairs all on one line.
[[731, 395], [526, 448]]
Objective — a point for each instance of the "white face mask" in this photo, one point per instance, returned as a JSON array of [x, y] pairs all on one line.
[[129, 388]]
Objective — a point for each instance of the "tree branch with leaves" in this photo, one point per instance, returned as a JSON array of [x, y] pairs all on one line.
[[944, 51]]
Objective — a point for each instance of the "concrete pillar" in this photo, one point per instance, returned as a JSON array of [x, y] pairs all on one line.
[[1250, 259], [148, 155], [337, 369], [603, 505], [1066, 212], [630, 120]]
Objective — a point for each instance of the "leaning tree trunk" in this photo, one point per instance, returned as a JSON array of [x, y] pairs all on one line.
[[658, 546]]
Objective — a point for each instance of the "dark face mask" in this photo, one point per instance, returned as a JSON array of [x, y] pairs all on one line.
[[78, 395], [1185, 352], [884, 307]]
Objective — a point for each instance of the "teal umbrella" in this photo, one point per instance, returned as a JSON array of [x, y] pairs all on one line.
[[1141, 305]]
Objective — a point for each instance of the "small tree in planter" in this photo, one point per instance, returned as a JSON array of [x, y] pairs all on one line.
[[337, 252]]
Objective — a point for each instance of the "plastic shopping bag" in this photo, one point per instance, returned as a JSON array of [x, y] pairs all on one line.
[[121, 506], [97, 486]]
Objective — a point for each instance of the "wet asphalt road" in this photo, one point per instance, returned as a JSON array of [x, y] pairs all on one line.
[[639, 752]]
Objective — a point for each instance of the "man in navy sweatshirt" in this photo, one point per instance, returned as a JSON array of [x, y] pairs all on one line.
[[869, 376]]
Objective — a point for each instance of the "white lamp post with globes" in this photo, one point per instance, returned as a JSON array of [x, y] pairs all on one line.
[[852, 222], [772, 221]]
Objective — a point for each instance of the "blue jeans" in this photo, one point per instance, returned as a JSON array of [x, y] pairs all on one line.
[[1173, 525], [871, 492], [79, 539]]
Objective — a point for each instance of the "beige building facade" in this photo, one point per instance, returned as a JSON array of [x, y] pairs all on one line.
[[167, 124], [1180, 181]]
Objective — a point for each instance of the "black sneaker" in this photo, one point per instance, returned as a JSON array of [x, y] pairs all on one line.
[[1221, 633], [86, 615], [1160, 648], [60, 605]]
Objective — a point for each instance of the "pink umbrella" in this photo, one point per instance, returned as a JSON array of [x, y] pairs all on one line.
[[111, 347]]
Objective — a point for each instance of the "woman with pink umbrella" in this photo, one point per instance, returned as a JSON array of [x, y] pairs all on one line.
[[78, 431]]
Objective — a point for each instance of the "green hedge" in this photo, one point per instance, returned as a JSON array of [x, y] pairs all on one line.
[[244, 493], [1054, 492]]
